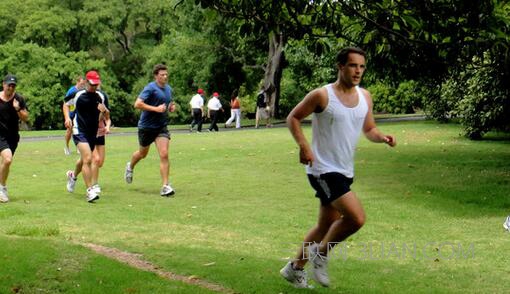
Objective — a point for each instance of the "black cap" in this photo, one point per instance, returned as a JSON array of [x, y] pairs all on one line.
[[10, 79]]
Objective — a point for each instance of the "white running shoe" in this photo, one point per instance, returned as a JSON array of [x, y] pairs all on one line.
[[71, 181], [296, 277], [4, 197], [506, 224], [67, 151], [167, 191], [319, 265], [91, 195], [96, 188], [128, 175]]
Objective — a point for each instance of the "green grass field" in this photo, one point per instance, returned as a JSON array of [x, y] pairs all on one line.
[[435, 206]]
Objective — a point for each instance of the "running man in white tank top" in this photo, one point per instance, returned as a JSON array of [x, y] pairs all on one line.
[[340, 111]]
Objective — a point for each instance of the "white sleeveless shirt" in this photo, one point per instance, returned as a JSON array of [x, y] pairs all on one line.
[[335, 134]]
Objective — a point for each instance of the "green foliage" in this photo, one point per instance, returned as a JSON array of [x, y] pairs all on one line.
[[478, 96], [486, 105], [45, 75], [406, 98], [381, 93]]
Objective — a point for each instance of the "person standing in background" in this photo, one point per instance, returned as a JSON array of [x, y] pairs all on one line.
[[197, 110], [213, 111], [235, 110]]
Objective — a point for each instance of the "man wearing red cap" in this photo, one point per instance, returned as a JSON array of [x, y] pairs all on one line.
[[89, 108], [12, 109], [213, 111], [155, 101], [197, 110]]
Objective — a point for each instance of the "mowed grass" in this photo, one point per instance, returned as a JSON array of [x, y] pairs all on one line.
[[435, 206]]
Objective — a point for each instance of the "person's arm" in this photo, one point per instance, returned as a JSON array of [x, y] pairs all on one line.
[[140, 104], [20, 109], [369, 128], [107, 121], [67, 119], [317, 99]]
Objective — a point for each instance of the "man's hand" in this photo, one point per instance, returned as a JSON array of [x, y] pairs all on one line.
[[171, 108], [306, 155], [68, 124], [101, 107], [161, 108], [15, 104], [390, 140]]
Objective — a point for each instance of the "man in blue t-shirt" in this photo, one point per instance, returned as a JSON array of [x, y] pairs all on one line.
[[155, 101], [80, 85]]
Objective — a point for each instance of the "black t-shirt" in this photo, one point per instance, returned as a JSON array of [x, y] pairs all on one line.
[[87, 114], [261, 100], [9, 120]]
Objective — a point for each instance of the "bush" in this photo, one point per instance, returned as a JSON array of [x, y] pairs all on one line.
[[405, 99], [486, 104]]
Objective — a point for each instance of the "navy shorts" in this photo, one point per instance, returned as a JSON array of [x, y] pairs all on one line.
[[330, 186], [10, 142], [147, 136], [83, 138]]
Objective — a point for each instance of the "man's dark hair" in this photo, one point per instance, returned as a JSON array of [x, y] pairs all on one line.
[[341, 58], [158, 67]]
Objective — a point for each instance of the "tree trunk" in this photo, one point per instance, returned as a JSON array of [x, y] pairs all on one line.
[[273, 71]]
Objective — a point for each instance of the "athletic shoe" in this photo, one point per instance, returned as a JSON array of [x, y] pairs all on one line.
[[296, 277], [319, 265], [128, 175], [96, 188], [91, 195], [167, 191], [71, 181], [506, 224], [4, 198], [67, 151]]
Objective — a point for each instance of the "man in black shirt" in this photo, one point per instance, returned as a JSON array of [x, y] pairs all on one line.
[[12, 109]]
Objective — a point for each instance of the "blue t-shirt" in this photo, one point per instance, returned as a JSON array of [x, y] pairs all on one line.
[[153, 95]]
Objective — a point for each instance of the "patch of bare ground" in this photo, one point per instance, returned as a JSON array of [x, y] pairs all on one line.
[[136, 261]]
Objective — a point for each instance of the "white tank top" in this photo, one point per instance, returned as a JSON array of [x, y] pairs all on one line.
[[335, 134]]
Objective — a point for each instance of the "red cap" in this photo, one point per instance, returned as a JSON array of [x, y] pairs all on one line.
[[200, 91], [93, 77], [215, 94]]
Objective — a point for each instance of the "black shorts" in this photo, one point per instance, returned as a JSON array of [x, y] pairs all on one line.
[[83, 138], [10, 142], [147, 136], [330, 186]]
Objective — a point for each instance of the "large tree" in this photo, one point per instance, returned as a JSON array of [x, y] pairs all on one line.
[[406, 40], [276, 22]]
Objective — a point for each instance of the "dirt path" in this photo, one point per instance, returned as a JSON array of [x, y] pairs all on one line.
[[136, 261]]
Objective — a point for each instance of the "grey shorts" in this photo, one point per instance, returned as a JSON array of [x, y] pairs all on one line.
[[147, 136]]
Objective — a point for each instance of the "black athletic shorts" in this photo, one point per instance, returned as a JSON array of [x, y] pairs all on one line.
[[147, 136], [330, 186], [10, 142], [83, 138]]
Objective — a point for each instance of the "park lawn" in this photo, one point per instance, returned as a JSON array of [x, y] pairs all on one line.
[[435, 206]]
